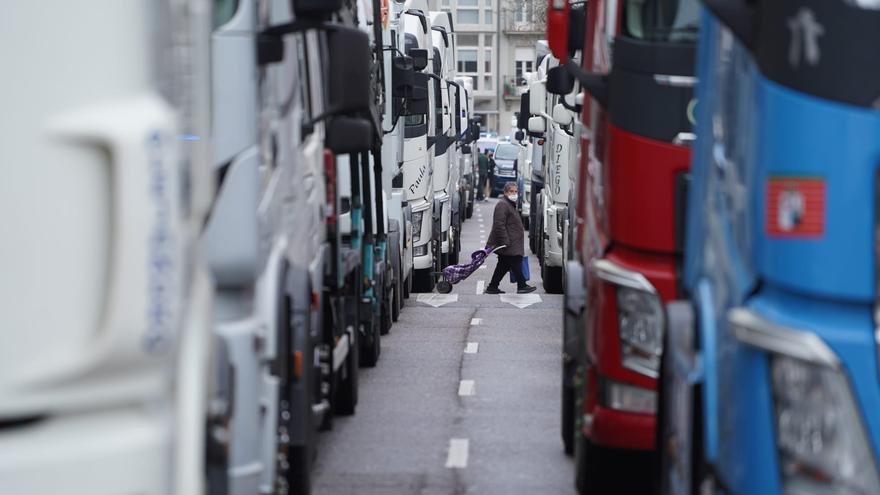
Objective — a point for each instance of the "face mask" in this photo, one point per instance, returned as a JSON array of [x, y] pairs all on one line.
[[513, 197]]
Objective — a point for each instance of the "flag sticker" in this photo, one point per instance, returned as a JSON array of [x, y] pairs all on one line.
[[795, 207]]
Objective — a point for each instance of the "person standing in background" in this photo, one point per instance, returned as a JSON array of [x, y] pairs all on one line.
[[483, 165], [491, 178]]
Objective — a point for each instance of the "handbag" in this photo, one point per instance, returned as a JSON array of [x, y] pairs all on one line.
[[525, 270]]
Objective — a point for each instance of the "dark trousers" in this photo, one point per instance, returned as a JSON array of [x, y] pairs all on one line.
[[508, 264], [481, 186]]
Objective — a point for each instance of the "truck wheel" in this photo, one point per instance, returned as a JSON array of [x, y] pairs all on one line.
[[406, 287], [387, 318], [299, 478], [371, 346], [525, 220], [423, 280], [553, 279], [396, 300], [568, 421], [347, 393], [470, 210]]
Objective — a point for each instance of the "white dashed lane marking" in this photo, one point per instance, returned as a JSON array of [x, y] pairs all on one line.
[[472, 348], [458, 453], [466, 388], [481, 286], [476, 321]]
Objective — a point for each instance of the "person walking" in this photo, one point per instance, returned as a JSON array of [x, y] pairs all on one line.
[[483, 165], [507, 230]]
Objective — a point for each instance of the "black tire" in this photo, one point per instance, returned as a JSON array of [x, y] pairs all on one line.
[[553, 279], [407, 288], [525, 221], [299, 479], [469, 212], [396, 300], [423, 280], [346, 399], [568, 419], [371, 347]]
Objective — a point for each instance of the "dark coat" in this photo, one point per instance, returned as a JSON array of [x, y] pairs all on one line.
[[507, 229]]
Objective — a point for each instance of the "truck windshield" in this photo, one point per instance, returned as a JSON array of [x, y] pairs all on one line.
[[662, 20], [506, 152]]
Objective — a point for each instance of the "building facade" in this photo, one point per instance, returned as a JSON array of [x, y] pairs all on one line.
[[496, 46]]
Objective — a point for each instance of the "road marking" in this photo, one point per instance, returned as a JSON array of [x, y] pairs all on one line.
[[466, 388], [476, 321], [482, 231], [482, 267], [472, 348], [458, 453], [481, 286], [521, 300], [437, 300]]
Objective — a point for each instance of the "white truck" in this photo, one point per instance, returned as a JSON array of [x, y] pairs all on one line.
[[445, 180], [104, 369], [557, 123], [418, 152], [468, 158]]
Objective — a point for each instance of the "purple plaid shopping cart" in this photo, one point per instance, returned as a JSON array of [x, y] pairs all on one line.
[[454, 274]]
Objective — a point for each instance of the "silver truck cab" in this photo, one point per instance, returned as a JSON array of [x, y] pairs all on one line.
[[106, 306], [445, 185], [285, 367]]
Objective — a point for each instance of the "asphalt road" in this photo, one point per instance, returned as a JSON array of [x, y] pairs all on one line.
[[465, 398]]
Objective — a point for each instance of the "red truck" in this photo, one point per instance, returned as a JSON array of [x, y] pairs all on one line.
[[637, 69]]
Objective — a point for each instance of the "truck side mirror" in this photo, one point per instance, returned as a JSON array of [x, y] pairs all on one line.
[[559, 81], [466, 149], [349, 70], [402, 76], [537, 98], [561, 116], [536, 125], [522, 120], [417, 102], [420, 58], [315, 8], [348, 135], [557, 29], [520, 136], [577, 22]]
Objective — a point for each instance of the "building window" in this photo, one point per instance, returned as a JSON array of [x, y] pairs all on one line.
[[468, 39], [487, 60], [467, 61], [522, 67], [468, 16], [467, 3], [488, 16]]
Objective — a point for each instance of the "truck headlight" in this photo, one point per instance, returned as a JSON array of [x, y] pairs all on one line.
[[819, 432], [640, 321], [417, 217]]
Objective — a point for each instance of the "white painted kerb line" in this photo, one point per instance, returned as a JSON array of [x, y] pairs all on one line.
[[476, 321], [481, 286], [466, 388], [472, 348], [458, 453]]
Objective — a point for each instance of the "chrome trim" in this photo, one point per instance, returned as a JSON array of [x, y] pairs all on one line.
[[676, 81], [618, 275], [751, 329], [640, 368], [684, 138]]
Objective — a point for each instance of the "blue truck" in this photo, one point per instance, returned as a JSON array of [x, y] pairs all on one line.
[[769, 377]]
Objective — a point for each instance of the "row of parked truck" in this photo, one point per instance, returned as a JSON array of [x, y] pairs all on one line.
[[217, 210], [717, 225]]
